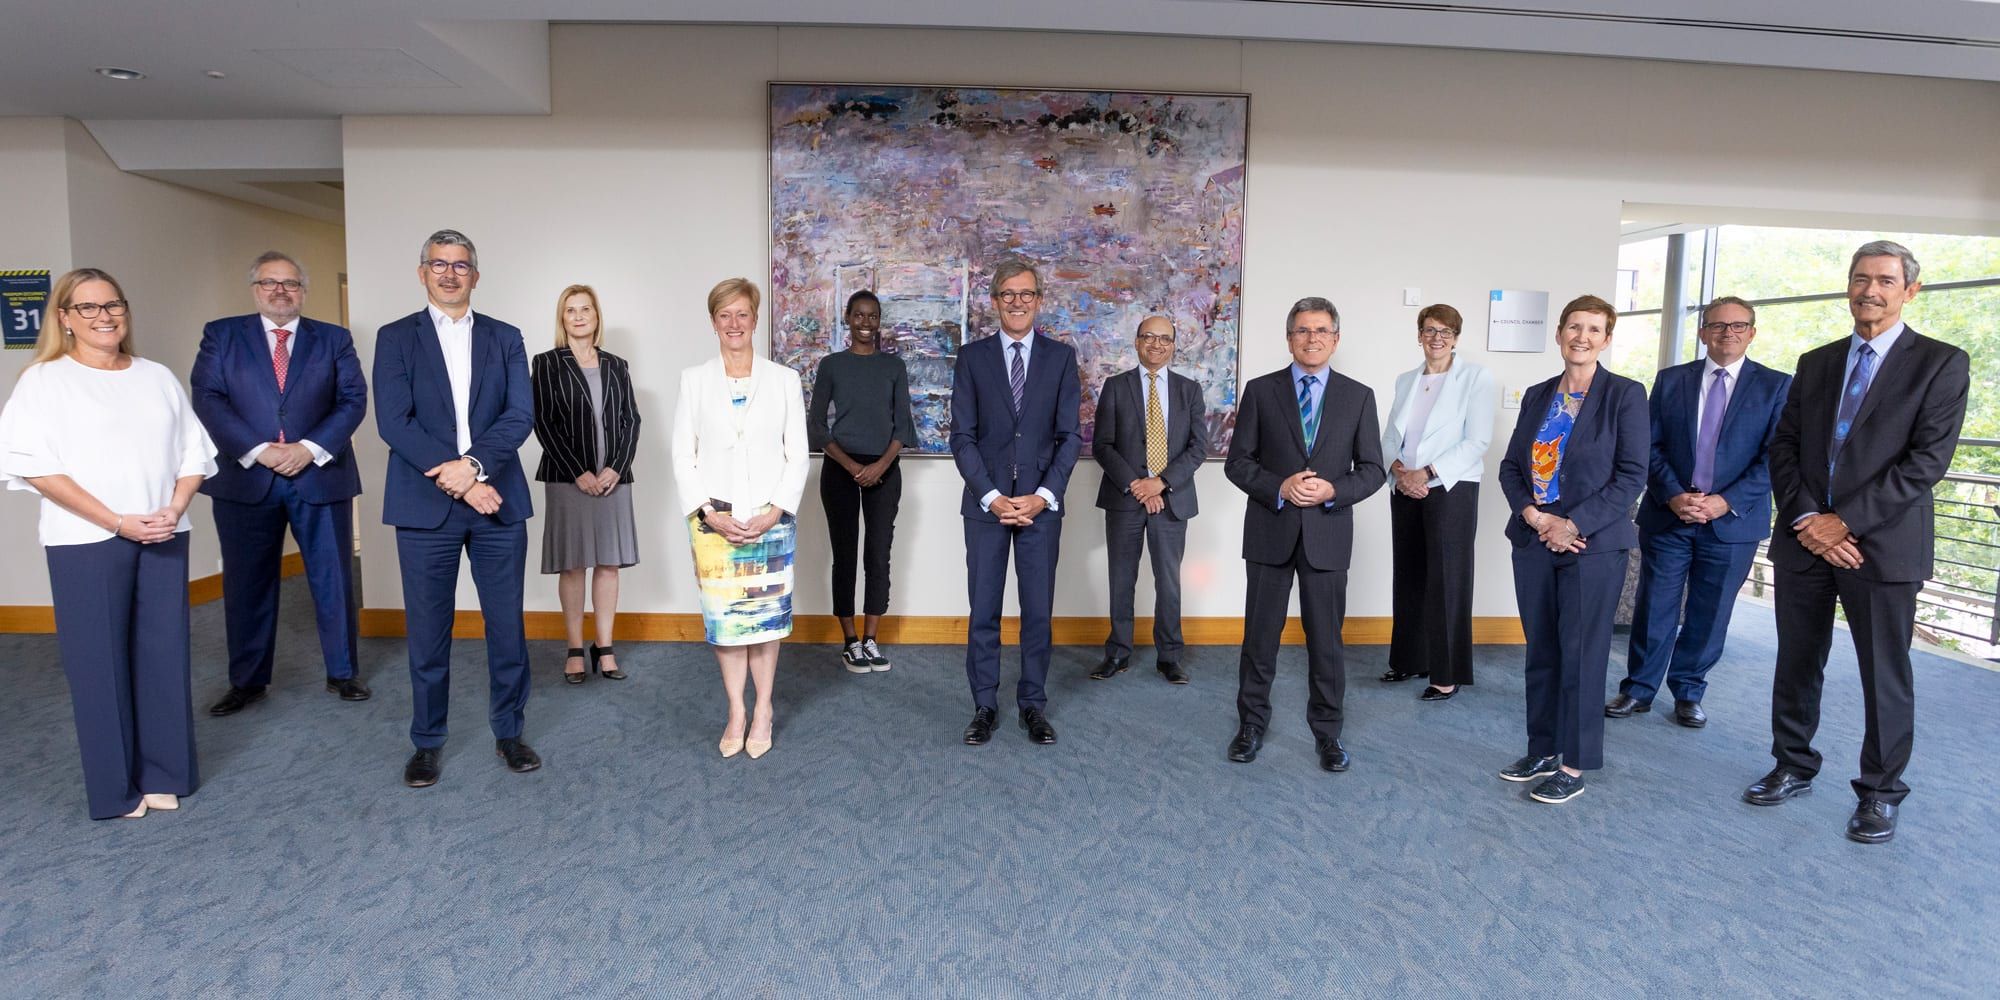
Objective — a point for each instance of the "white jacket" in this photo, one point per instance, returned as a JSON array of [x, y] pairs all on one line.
[[756, 457], [1460, 426]]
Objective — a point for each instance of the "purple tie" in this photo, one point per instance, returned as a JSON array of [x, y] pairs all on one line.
[[1017, 376], [1711, 430]]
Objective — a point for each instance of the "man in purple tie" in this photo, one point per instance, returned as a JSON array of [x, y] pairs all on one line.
[[1707, 505]]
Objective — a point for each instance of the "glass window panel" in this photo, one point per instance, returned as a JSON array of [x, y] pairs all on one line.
[[1642, 269], [1635, 348]]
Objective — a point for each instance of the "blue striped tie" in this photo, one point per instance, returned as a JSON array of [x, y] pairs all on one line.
[[1308, 417], [1017, 376], [1850, 405]]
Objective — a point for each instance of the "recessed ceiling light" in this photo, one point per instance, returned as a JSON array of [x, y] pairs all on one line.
[[118, 73], [213, 74]]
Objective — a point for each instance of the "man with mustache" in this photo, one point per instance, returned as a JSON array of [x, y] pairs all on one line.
[[1868, 429]]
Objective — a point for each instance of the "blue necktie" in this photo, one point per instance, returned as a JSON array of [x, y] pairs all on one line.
[[1308, 417], [1711, 430], [1017, 376], [1850, 405]]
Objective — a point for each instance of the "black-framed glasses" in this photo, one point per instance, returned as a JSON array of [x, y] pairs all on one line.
[[1156, 338], [1437, 331], [89, 310], [1737, 327], [1012, 295], [458, 267], [273, 284]]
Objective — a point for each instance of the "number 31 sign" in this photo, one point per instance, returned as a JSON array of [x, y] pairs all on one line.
[[22, 296]]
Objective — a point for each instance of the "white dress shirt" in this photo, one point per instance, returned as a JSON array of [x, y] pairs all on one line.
[[455, 339], [1007, 343], [1708, 370], [320, 455]]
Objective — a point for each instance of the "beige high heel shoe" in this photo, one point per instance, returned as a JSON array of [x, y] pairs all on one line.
[[136, 813], [756, 748], [162, 801], [731, 745]]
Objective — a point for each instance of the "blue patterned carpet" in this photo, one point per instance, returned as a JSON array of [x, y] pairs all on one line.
[[871, 855]]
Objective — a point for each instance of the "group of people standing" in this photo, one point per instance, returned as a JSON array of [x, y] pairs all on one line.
[[116, 449]]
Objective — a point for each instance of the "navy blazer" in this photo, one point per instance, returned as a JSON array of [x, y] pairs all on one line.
[[413, 412], [1603, 468], [1742, 469], [995, 450], [235, 395]]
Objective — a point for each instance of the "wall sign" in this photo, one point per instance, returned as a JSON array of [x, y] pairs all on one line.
[[23, 294], [1517, 321]]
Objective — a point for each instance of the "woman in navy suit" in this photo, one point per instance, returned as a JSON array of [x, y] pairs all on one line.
[[1574, 468]]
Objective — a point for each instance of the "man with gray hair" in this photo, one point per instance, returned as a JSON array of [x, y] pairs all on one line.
[[282, 395], [1868, 429]]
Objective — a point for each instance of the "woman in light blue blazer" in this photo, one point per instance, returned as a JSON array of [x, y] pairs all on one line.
[[1438, 431]]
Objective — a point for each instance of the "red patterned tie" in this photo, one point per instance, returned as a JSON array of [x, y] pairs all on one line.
[[281, 364]]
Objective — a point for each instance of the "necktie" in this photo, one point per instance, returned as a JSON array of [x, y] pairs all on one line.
[[1156, 426], [1850, 404], [1017, 376], [281, 366], [1308, 417], [1711, 430]]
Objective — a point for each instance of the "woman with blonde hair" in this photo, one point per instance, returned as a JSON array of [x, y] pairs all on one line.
[[111, 444]]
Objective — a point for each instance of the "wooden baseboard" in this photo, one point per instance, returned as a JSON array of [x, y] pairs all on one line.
[[40, 619], [209, 588]]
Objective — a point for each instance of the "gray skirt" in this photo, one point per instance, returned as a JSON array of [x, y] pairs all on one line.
[[580, 530]]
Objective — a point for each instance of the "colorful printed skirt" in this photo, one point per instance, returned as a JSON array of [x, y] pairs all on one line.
[[746, 590]]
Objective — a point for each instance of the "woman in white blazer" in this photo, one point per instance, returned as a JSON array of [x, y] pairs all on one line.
[[1438, 431], [740, 460]]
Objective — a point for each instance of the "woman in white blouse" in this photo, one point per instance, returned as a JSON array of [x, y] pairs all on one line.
[[740, 460], [111, 444], [1438, 431]]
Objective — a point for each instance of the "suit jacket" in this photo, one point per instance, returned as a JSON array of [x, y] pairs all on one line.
[[413, 412], [996, 450], [749, 459], [567, 426], [1899, 448], [1119, 442], [1270, 445], [235, 394], [1742, 474], [1603, 468], [1458, 431]]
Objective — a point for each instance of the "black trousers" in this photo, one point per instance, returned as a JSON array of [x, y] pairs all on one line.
[[1568, 603], [1881, 617], [1431, 596], [848, 508], [1323, 610]]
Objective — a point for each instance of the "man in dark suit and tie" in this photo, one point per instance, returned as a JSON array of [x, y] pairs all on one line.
[[1868, 429], [1151, 435], [281, 395], [1707, 505], [453, 402], [1014, 437], [1307, 448]]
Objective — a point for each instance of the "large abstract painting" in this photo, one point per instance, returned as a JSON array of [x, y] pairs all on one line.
[[1129, 203]]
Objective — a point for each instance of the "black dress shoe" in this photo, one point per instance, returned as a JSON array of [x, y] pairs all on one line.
[[348, 688], [599, 652], [1530, 768], [236, 700], [423, 769], [1873, 822], [520, 757], [574, 653], [1625, 706], [1689, 714], [1434, 693], [1037, 725], [1394, 675], [1776, 787], [1332, 756], [1249, 739], [1111, 667], [1561, 787], [1172, 672], [981, 728]]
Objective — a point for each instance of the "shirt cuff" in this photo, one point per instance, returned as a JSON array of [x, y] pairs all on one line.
[[320, 455], [250, 457], [1043, 492], [986, 502], [1803, 518]]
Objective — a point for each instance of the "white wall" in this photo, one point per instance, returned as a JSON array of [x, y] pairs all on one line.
[[1371, 169], [182, 256]]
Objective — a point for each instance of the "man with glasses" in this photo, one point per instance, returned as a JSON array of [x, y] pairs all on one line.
[[1707, 505], [281, 395], [1014, 438], [1151, 436], [453, 402], [1868, 429], [1307, 448]]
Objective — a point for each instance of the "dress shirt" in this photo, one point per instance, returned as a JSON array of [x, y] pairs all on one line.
[[1165, 389], [1880, 345], [1708, 370], [320, 455], [455, 339], [1318, 391], [1027, 343]]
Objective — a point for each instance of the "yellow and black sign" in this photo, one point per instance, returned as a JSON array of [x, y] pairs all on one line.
[[23, 294]]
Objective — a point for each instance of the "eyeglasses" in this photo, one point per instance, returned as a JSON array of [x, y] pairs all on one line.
[[89, 310], [273, 284], [1436, 331], [1012, 296], [1316, 333], [1156, 338], [1736, 327], [458, 267]]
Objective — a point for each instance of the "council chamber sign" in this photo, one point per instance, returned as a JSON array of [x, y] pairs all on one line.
[[1517, 321], [23, 294]]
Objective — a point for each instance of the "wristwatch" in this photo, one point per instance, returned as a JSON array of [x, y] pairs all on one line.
[[478, 470]]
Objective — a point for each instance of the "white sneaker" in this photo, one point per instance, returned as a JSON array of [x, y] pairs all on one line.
[[856, 657], [876, 660]]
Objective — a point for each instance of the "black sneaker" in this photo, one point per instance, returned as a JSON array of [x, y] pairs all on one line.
[[876, 661], [1530, 768], [856, 658], [1561, 787]]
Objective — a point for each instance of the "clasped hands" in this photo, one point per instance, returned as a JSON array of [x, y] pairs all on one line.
[[287, 459], [1150, 491], [741, 532], [459, 482], [1412, 483], [1826, 536], [1305, 489], [1559, 534], [1018, 512], [871, 474], [149, 529], [1694, 507], [599, 483]]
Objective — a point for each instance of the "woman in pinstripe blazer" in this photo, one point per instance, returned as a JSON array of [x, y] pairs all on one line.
[[588, 425]]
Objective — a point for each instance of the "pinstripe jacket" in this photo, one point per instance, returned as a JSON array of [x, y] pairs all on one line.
[[564, 420]]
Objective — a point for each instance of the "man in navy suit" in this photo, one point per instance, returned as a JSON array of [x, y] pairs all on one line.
[[1707, 505], [1014, 436], [281, 395], [453, 403]]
